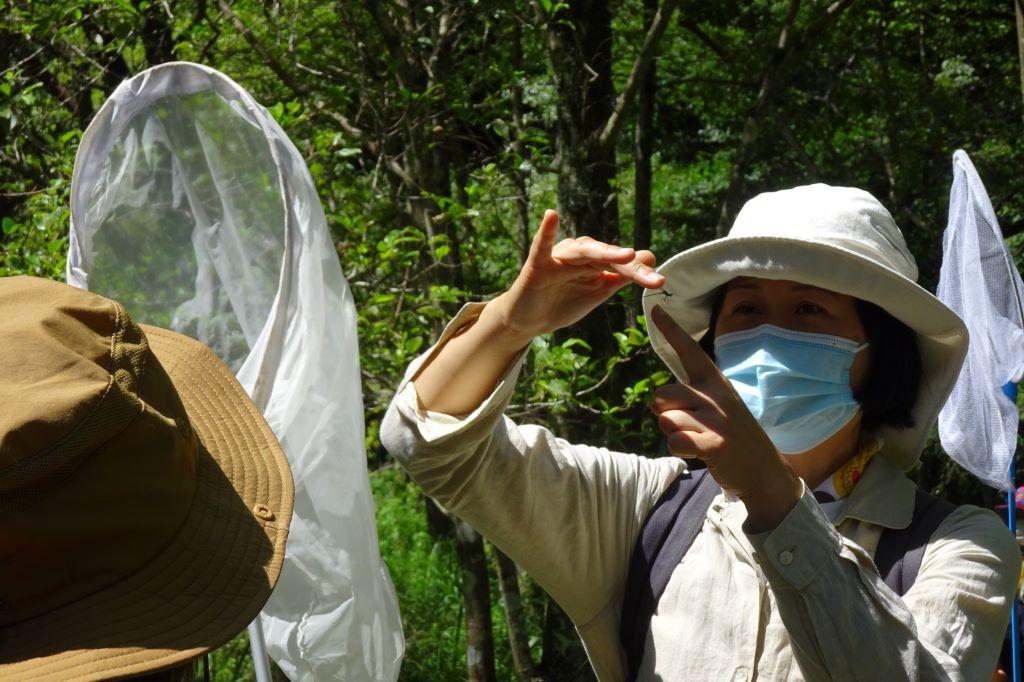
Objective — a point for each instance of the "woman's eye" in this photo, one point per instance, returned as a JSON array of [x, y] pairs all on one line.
[[809, 308], [745, 309]]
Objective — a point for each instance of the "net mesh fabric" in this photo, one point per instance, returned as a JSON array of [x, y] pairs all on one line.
[[192, 207], [180, 225], [978, 280]]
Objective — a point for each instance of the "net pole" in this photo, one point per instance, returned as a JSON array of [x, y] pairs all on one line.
[[1010, 390], [258, 645]]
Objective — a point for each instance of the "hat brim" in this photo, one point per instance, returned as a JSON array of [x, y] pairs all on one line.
[[215, 574], [693, 276]]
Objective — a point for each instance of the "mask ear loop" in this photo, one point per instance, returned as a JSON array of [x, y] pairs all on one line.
[[864, 438]]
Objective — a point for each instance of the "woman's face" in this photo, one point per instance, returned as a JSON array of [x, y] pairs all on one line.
[[752, 301]]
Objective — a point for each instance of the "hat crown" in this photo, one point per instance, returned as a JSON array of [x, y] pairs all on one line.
[[844, 217], [63, 350], [97, 458]]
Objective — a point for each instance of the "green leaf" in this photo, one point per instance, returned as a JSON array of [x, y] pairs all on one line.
[[573, 343]]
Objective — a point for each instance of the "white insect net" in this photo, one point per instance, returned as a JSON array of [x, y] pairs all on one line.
[[979, 281], [192, 207]]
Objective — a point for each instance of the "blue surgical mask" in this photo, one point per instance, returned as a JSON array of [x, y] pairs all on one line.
[[796, 384]]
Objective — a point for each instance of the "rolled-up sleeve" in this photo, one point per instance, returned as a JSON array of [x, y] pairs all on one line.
[[846, 624], [566, 513]]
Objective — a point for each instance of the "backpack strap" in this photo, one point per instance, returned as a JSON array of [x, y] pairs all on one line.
[[667, 533], [900, 550]]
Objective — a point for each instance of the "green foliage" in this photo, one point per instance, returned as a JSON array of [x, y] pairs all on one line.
[[426, 577], [426, 133], [35, 242]]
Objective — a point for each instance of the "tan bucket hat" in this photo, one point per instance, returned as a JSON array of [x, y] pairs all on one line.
[[837, 238], [144, 501]]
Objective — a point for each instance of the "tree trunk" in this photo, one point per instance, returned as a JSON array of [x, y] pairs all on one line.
[[1019, 11], [157, 37], [515, 619], [579, 45], [522, 200], [588, 117], [561, 662], [581, 56], [643, 144], [476, 594]]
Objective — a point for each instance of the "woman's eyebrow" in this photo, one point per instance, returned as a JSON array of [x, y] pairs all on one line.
[[749, 286], [819, 290]]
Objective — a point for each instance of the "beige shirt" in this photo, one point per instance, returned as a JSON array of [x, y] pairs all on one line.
[[801, 602]]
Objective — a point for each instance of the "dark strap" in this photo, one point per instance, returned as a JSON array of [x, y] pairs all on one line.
[[899, 553], [667, 533], [676, 519]]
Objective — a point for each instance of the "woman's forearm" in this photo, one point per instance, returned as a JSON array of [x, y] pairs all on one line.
[[469, 366]]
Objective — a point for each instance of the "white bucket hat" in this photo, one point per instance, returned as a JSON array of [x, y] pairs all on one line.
[[837, 238]]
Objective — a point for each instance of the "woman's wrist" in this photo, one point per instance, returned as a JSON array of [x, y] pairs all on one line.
[[768, 505], [496, 321]]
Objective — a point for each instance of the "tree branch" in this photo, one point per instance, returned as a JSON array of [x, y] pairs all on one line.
[[788, 49], [754, 122], [393, 42], [636, 74], [272, 63], [708, 41], [801, 152]]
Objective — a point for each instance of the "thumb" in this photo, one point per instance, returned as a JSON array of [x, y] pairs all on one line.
[[695, 361]]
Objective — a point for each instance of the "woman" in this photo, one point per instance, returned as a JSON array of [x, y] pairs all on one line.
[[808, 304]]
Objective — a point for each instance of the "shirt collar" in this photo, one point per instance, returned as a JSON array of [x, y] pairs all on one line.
[[883, 496], [833, 491]]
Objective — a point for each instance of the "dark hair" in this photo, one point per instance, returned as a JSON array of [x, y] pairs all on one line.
[[894, 375]]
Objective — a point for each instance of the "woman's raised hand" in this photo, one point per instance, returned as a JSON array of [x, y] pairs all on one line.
[[560, 283]]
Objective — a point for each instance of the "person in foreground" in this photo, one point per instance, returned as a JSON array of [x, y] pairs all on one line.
[[144, 501], [819, 372]]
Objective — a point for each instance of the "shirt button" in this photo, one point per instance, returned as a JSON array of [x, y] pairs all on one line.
[[785, 557], [740, 675]]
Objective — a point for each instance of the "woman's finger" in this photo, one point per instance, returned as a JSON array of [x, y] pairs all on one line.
[[646, 258], [682, 397], [585, 250], [680, 420], [706, 445], [638, 270], [544, 240], [683, 444]]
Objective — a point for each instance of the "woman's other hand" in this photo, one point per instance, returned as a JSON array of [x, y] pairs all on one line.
[[560, 283], [708, 420]]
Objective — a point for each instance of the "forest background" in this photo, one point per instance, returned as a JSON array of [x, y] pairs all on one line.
[[437, 133]]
